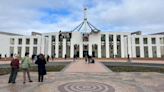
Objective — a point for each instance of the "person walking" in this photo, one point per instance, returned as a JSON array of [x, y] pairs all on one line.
[[48, 58], [41, 68], [86, 58], [25, 66], [5, 56], [65, 56], [0, 55], [74, 58], [52, 56], [89, 58], [33, 57], [14, 69]]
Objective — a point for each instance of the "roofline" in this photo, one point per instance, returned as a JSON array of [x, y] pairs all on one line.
[[6, 33]]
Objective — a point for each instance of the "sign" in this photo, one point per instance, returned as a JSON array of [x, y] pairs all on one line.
[[65, 35]]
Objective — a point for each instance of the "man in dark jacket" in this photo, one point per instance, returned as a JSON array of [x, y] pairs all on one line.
[[48, 58], [65, 56], [0, 56], [5, 56]]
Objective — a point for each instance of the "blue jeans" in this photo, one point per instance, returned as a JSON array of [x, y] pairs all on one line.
[[74, 59]]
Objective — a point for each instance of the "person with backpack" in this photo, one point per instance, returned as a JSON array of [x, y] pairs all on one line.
[[41, 67], [93, 61], [14, 69], [48, 58], [26, 67]]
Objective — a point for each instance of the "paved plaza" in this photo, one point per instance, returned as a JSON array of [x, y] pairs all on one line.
[[87, 82], [82, 77]]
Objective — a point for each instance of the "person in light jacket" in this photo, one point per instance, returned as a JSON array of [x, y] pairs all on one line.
[[26, 67]]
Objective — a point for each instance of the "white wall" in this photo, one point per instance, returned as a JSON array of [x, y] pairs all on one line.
[[149, 45], [4, 45]]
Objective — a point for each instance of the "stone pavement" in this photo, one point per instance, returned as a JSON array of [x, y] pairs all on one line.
[[87, 82], [82, 66]]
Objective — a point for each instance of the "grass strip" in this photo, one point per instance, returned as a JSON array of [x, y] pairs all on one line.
[[135, 69], [55, 68]]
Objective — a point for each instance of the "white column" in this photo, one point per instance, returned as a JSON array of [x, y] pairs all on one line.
[[57, 45], [50, 45], [122, 47], [81, 51], [64, 47], [107, 45], [72, 50], [125, 46], [99, 50], [133, 48], [31, 47], [15, 46], [23, 47], [158, 47], [150, 48], [114, 45], [43, 43], [90, 49], [141, 47], [39, 46], [129, 46]]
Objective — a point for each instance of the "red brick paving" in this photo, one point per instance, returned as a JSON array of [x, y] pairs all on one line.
[[82, 66]]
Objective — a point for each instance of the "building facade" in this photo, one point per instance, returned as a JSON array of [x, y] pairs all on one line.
[[104, 44]]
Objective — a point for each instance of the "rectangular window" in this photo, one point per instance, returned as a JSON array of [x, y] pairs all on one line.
[[20, 41], [154, 51], [27, 49], [102, 37], [12, 41], [27, 41], [85, 37], [11, 50], [137, 51], [19, 51], [161, 40], [35, 41], [162, 51], [144, 40], [137, 41], [35, 50], [146, 51], [153, 40], [110, 37]]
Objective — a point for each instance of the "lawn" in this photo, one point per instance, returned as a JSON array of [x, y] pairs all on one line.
[[55, 68], [135, 69]]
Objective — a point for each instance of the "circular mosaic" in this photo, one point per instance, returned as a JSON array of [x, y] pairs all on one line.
[[85, 87]]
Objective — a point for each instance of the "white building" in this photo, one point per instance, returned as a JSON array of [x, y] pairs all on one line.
[[101, 44]]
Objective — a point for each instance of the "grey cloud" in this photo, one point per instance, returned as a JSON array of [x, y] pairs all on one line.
[[22, 16]]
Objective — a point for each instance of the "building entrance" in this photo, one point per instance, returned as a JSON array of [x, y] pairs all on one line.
[[85, 53]]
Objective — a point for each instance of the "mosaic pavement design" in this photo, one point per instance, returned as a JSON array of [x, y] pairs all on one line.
[[87, 82]]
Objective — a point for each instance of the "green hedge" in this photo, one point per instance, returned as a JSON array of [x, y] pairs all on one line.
[[56, 68]]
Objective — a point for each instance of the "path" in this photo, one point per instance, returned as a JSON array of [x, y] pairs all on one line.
[[81, 66]]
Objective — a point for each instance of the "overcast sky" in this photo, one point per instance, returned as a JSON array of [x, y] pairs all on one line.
[[24, 16]]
